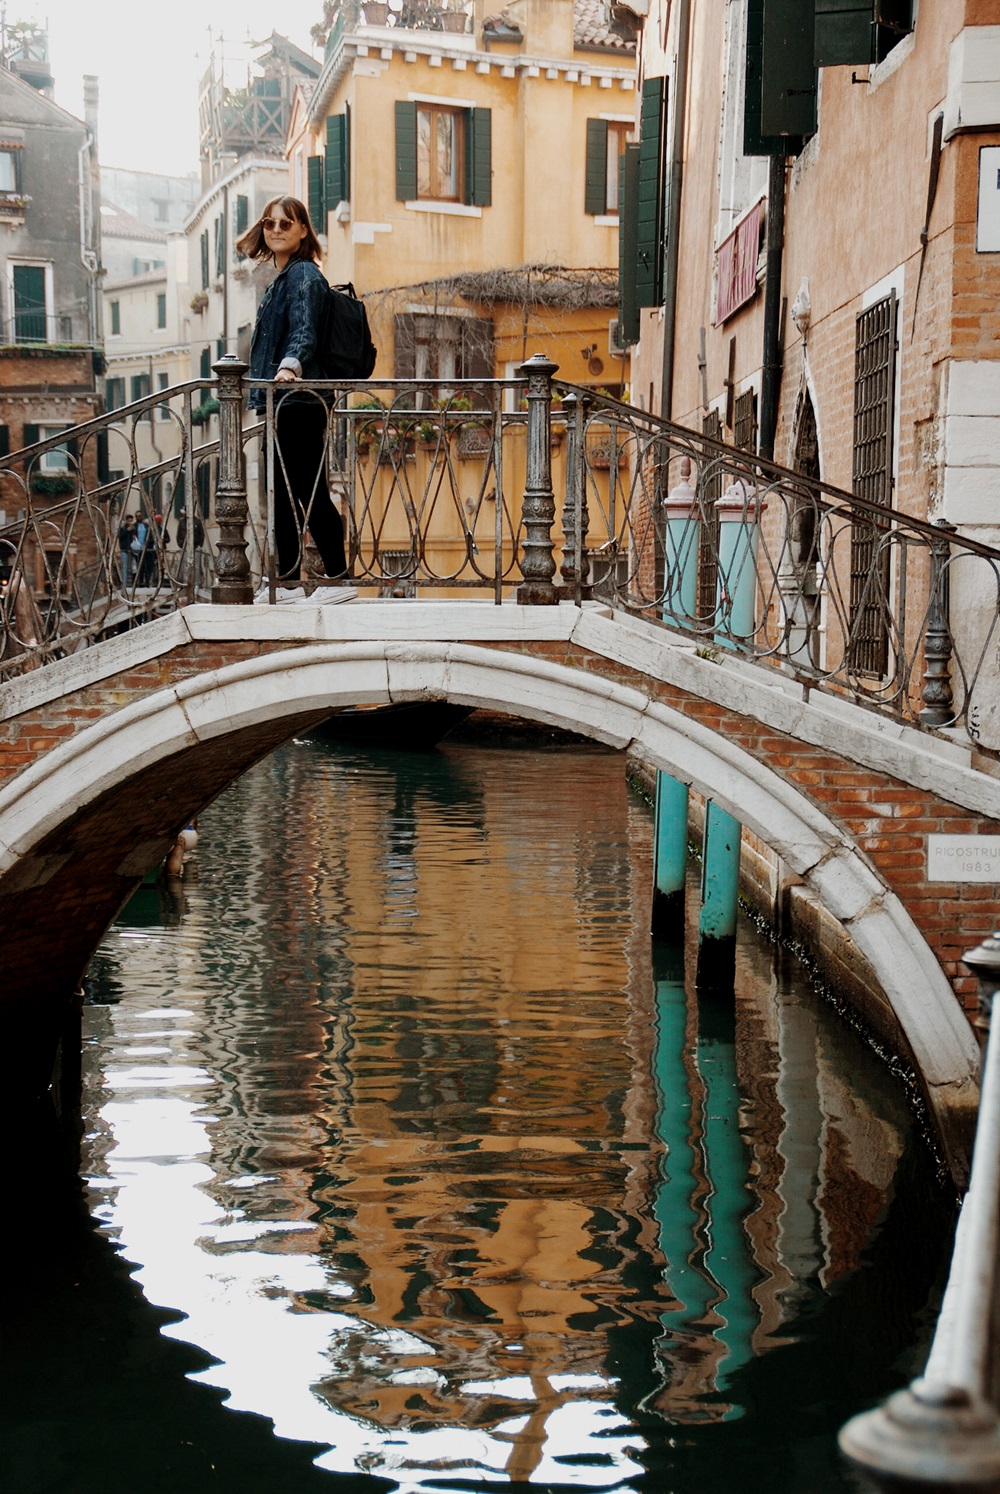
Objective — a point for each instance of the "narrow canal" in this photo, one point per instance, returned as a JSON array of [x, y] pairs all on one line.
[[412, 1165]]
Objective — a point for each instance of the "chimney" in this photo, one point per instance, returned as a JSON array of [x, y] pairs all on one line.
[[91, 91]]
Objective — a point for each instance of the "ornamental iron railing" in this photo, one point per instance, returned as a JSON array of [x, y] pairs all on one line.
[[451, 489]]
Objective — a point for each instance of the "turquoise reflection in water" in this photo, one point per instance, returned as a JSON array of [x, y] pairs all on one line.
[[703, 1198], [394, 1111]]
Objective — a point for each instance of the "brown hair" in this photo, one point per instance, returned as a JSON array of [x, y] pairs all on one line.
[[252, 243]]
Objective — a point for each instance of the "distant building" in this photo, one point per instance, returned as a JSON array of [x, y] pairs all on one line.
[[463, 168], [158, 201], [50, 313]]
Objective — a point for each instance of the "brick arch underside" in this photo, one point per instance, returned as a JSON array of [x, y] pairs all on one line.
[[75, 839]]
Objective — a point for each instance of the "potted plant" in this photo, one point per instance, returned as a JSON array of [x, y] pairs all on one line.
[[376, 12], [428, 434], [365, 431], [454, 20], [199, 302]]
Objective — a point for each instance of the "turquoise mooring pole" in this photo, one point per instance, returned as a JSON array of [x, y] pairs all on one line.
[[680, 579], [669, 857], [738, 510], [720, 885]]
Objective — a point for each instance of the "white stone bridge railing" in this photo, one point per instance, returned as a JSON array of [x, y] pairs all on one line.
[[528, 488]]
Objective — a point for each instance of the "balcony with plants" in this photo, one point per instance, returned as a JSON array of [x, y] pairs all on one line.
[[342, 16]]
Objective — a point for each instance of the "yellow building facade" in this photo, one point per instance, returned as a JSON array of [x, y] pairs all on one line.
[[436, 160]]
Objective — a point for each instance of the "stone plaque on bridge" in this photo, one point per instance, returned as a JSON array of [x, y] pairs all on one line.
[[963, 858]]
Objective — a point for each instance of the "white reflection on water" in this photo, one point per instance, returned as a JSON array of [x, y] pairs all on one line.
[[239, 1307]]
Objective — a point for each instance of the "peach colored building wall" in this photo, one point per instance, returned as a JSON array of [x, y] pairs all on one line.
[[856, 202]]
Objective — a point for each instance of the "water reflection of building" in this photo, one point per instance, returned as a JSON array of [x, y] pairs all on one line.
[[439, 1046]]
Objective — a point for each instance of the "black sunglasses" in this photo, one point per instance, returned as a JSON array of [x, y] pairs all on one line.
[[281, 224]]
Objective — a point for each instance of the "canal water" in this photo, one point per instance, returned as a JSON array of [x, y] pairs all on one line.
[[412, 1165]]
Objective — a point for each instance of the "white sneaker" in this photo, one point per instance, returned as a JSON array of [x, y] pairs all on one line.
[[325, 596]]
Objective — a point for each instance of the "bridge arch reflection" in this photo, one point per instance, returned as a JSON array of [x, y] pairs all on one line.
[[82, 824]]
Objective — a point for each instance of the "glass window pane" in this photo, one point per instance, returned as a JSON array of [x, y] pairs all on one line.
[[8, 171], [447, 178], [424, 179], [56, 460]]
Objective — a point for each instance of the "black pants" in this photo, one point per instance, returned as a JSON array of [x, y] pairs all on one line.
[[301, 496]]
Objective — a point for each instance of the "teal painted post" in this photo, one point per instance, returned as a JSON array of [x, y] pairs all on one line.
[[680, 550], [738, 510], [669, 857], [680, 571], [720, 885]]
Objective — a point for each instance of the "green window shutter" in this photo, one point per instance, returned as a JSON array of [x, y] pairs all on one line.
[[628, 205], [317, 196], [479, 158], [220, 246], [336, 160], [650, 192], [30, 434], [161, 309], [596, 173], [204, 260], [844, 32], [4, 441], [242, 214], [406, 151], [29, 303], [859, 31], [103, 458], [205, 370], [788, 76], [116, 318], [755, 142]]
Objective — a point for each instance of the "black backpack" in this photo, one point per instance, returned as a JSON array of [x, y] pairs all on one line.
[[346, 350]]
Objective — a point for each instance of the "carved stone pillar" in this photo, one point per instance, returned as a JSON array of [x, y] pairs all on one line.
[[232, 582], [538, 564]]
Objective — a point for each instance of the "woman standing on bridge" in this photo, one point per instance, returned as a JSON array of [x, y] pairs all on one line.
[[285, 348]]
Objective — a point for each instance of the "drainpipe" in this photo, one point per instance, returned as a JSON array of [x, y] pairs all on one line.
[[90, 203], [676, 180], [770, 382]]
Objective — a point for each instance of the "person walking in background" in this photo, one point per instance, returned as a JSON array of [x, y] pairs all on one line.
[[285, 348], [126, 541]]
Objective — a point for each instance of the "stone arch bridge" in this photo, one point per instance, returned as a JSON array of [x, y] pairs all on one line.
[[108, 753]]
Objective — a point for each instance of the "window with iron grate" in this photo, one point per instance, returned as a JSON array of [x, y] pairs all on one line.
[[874, 399], [745, 421]]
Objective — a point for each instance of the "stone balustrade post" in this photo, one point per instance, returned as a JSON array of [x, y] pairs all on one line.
[[232, 582], [538, 564], [937, 696]]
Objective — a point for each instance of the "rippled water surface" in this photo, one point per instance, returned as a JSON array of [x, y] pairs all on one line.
[[413, 1147]]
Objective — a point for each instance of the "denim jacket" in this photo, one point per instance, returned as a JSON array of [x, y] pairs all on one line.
[[288, 323]]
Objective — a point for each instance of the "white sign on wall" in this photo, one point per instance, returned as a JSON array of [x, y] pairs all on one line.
[[963, 858], [988, 214]]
